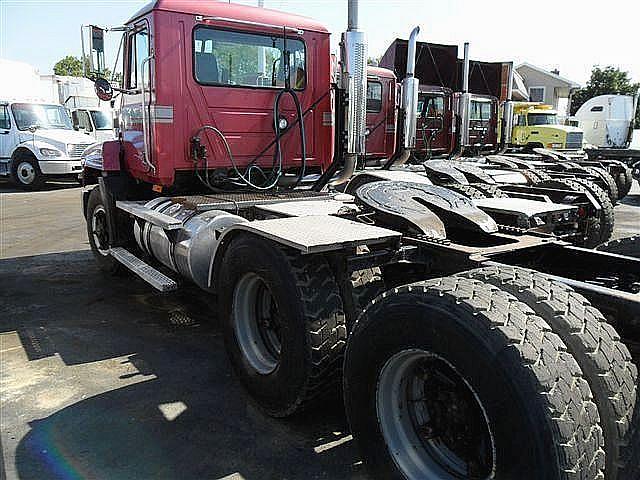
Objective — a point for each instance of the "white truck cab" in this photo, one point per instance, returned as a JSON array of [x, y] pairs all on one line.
[[37, 141], [94, 122], [607, 120]]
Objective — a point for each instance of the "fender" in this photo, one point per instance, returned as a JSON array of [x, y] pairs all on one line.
[[307, 234]]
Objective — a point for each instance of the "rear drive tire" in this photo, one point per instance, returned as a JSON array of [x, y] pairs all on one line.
[[595, 223], [283, 323], [491, 191], [596, 346], [607, 217], [535, 176], [364, 286], [611, 187], [468, 191], [25, 172], [98, 234], [625, 182], [454, 378]]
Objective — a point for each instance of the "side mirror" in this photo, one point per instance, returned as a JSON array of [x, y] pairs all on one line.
[[103, 89], [96, 50]]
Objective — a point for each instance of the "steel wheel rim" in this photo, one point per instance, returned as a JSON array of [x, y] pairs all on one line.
[[99, 230], [256, 324], [26, 173], [414, 445]]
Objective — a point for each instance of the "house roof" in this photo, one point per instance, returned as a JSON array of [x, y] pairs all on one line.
[[557, 78], [232, 10]]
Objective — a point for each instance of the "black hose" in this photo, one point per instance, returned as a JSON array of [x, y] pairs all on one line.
[[300, 121]]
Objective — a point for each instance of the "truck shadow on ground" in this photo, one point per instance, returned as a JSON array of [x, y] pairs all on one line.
[[633, 200], [8, 187], [173, 409]]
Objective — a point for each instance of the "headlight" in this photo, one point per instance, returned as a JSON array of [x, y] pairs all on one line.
[[50, 152]]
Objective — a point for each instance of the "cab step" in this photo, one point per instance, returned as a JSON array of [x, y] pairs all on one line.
[[137, 209], [146, 272]]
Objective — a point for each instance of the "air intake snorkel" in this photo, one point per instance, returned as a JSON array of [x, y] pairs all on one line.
[[408, 117]]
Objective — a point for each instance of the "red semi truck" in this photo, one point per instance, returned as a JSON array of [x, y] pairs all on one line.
[[235, 148]]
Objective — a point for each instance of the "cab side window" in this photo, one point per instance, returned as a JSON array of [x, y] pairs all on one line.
[[138, 51], [5, 121], [226, 58], [374, 97], [81, 120]]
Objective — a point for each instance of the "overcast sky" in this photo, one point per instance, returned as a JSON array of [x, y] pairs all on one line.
[[568, 35]]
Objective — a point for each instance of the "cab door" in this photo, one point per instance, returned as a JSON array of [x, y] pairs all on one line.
[[376, 119], [519, 135], [6, 137], [135, 111], [237, 75]]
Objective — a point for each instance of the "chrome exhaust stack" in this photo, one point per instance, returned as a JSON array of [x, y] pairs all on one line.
[[464, 108], [409, 104], [507, 113], [353, 80], [410, 86]]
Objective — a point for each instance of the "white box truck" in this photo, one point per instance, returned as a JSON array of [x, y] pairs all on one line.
[[37, 138], [88, 114]]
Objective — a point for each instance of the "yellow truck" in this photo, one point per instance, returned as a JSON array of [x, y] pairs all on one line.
[[536, 125]]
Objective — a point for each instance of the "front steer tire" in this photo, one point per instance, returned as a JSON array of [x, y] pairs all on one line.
[[25, 172], [306, 318], [605, 361], [97, 233], [542, 420]]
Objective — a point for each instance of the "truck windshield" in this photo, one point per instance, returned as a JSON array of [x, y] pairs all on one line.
[[101, 120], [480, 110], [41, 116], [542, 119]]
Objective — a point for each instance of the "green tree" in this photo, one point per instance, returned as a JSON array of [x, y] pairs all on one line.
[[69, 65], [72, 66], [603, 81]]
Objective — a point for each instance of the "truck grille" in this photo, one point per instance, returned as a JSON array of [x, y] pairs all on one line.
[[574, 140], [76, 150]]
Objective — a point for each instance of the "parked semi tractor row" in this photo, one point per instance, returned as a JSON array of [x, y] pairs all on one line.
[[461, 148], [466, 348]]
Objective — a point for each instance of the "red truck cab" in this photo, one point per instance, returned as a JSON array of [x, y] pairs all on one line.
[[381, 113], [190, 64]]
